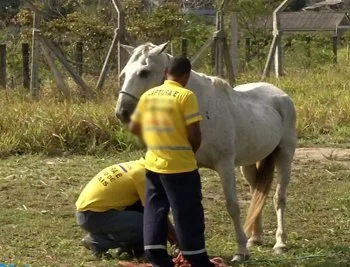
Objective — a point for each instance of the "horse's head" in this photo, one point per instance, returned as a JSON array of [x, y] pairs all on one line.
[[144, 70]]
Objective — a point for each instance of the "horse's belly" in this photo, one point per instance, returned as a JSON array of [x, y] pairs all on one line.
[[257, 140]]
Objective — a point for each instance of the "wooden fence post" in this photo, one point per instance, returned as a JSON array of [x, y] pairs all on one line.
[[25, 62], [79, 57], [308, 49], [208, 43], [213, 52], [278, 49], [124, 36], [275, 49], [278, 57], [219, 66], [234, 43], [56, 73], [269, 58], [184, 47], [34, 82], [171, 48], [335, 48], [228, 62], [106, 64], [247, 47], [85, 89], [3, 65]]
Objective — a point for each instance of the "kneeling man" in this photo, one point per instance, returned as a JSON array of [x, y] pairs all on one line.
[[110, 209]]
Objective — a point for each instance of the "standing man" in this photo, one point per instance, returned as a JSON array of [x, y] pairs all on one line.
[[167, 119]]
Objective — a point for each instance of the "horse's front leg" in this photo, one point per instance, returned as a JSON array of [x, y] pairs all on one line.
[[225, 169]]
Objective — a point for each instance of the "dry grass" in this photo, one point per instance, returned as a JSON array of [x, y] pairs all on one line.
[[38, 227], [321, 96], [54, 127]]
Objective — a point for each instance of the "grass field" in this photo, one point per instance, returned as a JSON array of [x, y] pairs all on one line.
[[37, 193], [38, 227], [321, 96]]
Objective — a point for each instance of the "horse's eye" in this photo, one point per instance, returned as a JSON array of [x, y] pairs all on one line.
[[144, 73]]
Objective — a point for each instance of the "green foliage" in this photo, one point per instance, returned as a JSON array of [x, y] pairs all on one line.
[[58, 8], [8, 9], [297, 5], [196, 31], [51, 127], [251, 11], [306, 51], [163, 23], [80, 26], [7, 5]]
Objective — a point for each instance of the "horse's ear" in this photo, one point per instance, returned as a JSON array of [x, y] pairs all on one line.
[[130, 49], [158, 49]]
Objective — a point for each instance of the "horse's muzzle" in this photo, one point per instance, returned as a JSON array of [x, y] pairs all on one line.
[[123, 115]]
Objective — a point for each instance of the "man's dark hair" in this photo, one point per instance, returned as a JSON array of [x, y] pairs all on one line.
[[179, 66]]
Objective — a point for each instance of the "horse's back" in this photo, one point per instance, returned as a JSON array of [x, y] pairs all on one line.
[[260, 90], [268, 94], [269, 97]]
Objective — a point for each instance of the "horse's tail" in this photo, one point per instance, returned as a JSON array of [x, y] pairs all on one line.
[[264, 178]]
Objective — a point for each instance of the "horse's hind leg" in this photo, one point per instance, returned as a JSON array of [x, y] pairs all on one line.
[[225, 168], [250, 174], [284, 168]]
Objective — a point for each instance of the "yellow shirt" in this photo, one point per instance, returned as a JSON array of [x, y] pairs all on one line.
[[115, 187], [164, 113]]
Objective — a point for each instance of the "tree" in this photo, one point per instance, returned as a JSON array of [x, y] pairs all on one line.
[[195, 4], [297, 5], [8, 5], [162, 23], [8, 9]]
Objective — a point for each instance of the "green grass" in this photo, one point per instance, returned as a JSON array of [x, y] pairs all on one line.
[[55, 127], [51, 126], [38, 226]]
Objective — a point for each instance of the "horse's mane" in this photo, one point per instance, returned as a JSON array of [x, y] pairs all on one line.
[[217, 82], [143, 49], [139, 51]]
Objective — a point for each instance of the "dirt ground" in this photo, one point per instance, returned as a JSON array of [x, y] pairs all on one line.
[[321, 154], [303, 156]]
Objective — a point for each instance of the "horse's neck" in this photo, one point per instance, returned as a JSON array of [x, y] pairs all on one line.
[[205, 89], [199, 85]]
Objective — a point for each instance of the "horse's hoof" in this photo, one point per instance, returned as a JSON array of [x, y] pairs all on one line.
[[280, 250], [252, 243], [240, 257]]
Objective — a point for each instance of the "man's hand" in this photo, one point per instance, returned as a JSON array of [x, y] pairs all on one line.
[[194, 135], [136, 129]]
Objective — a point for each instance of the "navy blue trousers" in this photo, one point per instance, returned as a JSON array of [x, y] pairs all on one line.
[[113, 228], [181, 192]]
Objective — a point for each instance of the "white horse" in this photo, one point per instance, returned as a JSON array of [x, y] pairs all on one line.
[[252, 126]]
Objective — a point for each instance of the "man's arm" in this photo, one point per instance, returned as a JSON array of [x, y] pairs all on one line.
[[194, 135], [192, 120], [135, 128]]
